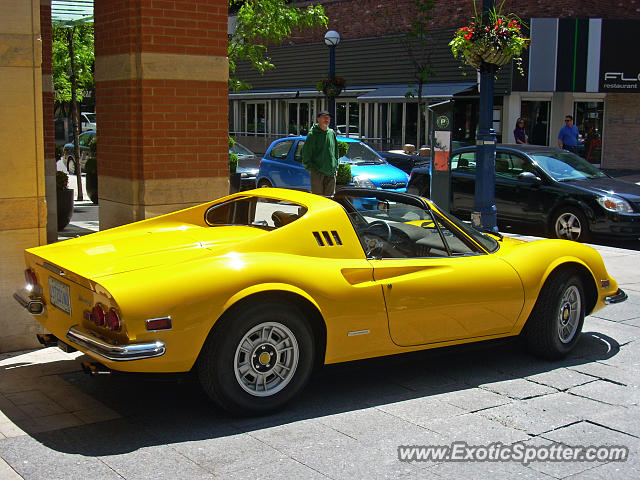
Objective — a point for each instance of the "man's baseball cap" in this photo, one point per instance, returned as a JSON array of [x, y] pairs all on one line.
[[323, 112]]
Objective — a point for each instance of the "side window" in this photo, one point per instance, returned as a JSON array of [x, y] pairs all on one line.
[[393, 229], [464, 162], [509, 165], [259, 212], [298, 155], [281, 150]]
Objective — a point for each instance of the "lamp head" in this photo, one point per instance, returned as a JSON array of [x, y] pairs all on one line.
[[331, 38]]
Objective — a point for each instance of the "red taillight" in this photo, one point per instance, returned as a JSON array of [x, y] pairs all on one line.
[[113, 320], [32, 281], [98, 315], [30, 277]]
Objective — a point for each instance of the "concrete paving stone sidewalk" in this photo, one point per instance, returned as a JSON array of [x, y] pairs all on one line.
[[57, 422]]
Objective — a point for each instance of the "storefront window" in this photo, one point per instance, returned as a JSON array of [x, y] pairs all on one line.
[[589, 118]]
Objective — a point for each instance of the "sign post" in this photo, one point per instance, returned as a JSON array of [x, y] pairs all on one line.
[[441, 122]]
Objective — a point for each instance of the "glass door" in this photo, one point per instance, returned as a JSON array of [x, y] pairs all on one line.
[[535, 114], [589, 118]]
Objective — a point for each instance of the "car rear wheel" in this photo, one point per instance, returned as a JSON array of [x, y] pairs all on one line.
[[71, 165], [570, 224], [554, 326], [258, 360], [264, 183]]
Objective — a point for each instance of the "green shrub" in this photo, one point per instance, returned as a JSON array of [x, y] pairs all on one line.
[[343, 148], [344, 174], [91, 166], [233, 158], [62, 180]]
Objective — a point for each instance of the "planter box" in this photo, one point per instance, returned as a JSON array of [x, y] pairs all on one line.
[[65, 207]]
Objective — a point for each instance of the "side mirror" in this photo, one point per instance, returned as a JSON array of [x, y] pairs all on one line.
[[529, 178]]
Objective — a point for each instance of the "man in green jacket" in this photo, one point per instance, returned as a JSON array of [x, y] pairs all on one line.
[[320, 156]]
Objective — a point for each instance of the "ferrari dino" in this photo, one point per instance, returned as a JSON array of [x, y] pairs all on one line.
[[252, 290]]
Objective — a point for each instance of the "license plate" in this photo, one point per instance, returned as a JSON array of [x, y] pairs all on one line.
[[59, 295]]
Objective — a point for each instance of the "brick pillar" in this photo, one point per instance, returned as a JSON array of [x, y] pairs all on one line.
[[161, 104], [46, 35]]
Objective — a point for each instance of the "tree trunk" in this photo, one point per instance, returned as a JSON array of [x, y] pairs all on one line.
[[75, 114]]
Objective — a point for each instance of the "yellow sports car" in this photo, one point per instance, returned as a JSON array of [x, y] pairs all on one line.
[[254, 289]]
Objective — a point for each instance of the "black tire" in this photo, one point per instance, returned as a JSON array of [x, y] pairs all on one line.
[[221, 362], [71, 166], [554, 326], [413, 190], [570, 223], [264, 183]]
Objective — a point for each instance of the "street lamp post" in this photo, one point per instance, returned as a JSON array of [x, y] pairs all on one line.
[[484, 215], [332, 39]]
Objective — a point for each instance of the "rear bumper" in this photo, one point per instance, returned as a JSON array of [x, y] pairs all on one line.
[[620, 296], [111, 351]]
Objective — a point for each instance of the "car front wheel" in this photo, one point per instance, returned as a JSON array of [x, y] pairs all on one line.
[[570, 224], [258, 360], [264, 183], [554, 326]]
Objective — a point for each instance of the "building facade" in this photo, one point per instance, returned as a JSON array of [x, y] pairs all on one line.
[[575, 65]]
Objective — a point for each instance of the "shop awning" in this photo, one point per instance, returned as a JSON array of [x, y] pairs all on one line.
[[398, 92]]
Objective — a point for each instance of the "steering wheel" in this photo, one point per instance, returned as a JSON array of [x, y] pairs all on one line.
[[372, 226], [372, 240]]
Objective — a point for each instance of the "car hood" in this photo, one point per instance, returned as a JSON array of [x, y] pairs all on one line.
[[378, 174], [135, 247], [629, 191], [248, 165]]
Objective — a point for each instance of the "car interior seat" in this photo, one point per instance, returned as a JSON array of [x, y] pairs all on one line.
[[281, 218]]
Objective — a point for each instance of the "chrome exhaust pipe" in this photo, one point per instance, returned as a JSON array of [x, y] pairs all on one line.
[[47, 339], [94, 369]]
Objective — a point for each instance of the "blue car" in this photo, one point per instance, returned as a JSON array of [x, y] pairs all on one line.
[[281, 167]]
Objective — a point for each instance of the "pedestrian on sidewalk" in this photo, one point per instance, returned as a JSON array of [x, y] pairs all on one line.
[[320, 155], [568, 136]]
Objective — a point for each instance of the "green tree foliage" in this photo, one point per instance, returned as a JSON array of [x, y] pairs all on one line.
[[265, 22], [73, 60], [82, 36]]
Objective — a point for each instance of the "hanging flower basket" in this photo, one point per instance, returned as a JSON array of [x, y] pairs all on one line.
[[331, 87], [491, 44]]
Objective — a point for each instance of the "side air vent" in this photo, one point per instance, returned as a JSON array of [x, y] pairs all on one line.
[[327, 239]]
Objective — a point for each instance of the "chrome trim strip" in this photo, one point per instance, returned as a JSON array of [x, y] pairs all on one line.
[[358, 332], [110, 351], [53, 268], [29, 301], [620, 296]]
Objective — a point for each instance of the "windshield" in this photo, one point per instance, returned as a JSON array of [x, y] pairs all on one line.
[[562, 166], [91, 117], [486, 241], [241, 151], [359, 154]]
